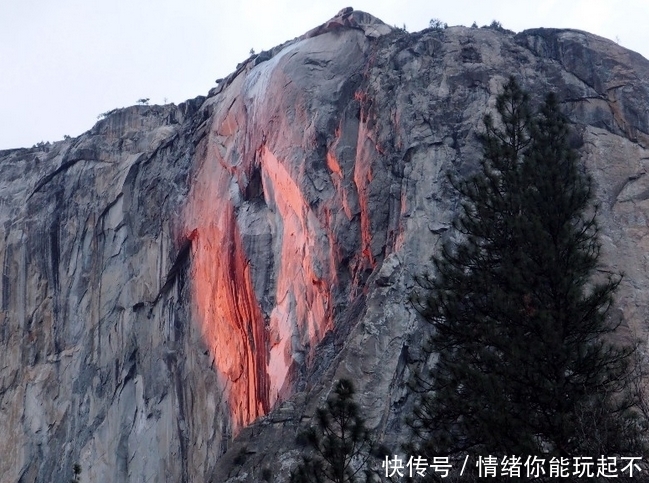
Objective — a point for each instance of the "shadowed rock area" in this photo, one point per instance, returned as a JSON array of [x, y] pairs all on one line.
[[181, 275]]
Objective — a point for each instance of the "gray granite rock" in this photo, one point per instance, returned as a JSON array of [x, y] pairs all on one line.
[[181, 275]]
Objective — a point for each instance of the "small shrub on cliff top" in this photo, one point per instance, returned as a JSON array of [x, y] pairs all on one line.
[[104, 115], [495, 25], [437, 24]]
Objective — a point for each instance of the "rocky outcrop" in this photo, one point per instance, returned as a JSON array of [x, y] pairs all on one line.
[[180, 275]]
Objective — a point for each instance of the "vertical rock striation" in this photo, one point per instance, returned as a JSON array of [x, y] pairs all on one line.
[[179, 275], [267, 219]]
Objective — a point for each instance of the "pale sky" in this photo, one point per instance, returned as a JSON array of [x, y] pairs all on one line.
[[63, 62]]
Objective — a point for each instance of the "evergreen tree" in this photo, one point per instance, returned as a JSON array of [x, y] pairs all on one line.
[[526, 362], [342, 445]]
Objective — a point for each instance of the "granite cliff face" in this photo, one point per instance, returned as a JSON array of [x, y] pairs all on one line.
[[179, 275]]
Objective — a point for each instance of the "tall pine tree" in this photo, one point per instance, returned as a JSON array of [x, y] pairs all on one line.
[[342, 447], [525, 356]]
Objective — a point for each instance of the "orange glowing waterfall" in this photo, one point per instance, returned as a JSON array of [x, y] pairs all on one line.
[[253, 169], [304, 309], [232, 323], [362, 179], [224, 302], [255, 353]]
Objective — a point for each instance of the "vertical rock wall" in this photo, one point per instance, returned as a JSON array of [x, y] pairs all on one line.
[[180, 275], [272, 215], [98, 352], [421, 104]]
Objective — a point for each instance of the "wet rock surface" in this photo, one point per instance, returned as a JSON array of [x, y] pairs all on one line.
[[179, 275]]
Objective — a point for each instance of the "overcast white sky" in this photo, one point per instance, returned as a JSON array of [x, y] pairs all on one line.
[[63, 62]]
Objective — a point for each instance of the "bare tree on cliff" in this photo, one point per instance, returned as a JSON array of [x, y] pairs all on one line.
[[528, 359]]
